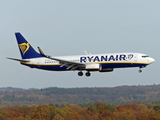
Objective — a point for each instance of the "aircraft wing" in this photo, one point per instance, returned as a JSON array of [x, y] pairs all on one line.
[[68, 64]]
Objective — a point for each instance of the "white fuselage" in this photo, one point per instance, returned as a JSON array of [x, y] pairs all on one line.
[[93, 62]]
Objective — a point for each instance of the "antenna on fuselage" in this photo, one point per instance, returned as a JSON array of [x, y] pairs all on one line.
[[86, 53]]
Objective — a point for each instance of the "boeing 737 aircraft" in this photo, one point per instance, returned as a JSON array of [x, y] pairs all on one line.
[[86, 62]]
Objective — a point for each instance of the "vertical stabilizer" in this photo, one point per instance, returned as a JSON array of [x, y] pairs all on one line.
[[25, 48]]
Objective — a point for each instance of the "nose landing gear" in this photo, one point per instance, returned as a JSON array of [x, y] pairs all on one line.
[[139, 70]]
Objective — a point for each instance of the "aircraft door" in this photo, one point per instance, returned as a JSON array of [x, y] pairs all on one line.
[[39, 63], [135, 58]]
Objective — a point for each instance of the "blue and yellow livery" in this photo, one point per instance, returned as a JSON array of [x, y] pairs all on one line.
[[86, 62]]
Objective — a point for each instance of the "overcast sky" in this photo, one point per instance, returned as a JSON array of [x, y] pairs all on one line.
[[69, 27]]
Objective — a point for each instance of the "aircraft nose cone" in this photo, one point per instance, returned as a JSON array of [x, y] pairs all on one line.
[[152, 60]]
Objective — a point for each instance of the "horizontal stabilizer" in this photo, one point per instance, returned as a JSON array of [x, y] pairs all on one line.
[[20, 60]]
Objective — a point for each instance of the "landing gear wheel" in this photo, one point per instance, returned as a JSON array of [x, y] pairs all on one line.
[[80, 73], [140, 71], [88, 74]]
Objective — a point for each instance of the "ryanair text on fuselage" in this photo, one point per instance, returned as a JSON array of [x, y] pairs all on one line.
[[106, 58]]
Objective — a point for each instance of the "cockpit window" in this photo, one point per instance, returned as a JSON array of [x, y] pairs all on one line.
[[144, 56]]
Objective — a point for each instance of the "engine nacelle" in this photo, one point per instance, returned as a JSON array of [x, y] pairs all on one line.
[[97, 67], [102, 69], [92, 67]]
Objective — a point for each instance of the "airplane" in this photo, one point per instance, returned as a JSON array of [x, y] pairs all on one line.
[[87, 62]]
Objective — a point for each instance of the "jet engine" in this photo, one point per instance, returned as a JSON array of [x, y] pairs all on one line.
[[104, 69], [98, 67]]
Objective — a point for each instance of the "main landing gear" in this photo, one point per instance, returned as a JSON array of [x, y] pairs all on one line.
[[80, 73], [87, 74]]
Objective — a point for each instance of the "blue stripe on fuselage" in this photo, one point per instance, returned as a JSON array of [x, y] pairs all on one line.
[[56, 67], [122, 65], [46, 67]]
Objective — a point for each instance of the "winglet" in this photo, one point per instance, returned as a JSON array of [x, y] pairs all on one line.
[[42, 53]]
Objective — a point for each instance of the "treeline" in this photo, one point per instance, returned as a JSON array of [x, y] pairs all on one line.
[[116, 96], [96, 111]]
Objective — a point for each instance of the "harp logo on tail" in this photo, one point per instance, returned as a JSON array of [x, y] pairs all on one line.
[[24, 47]]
